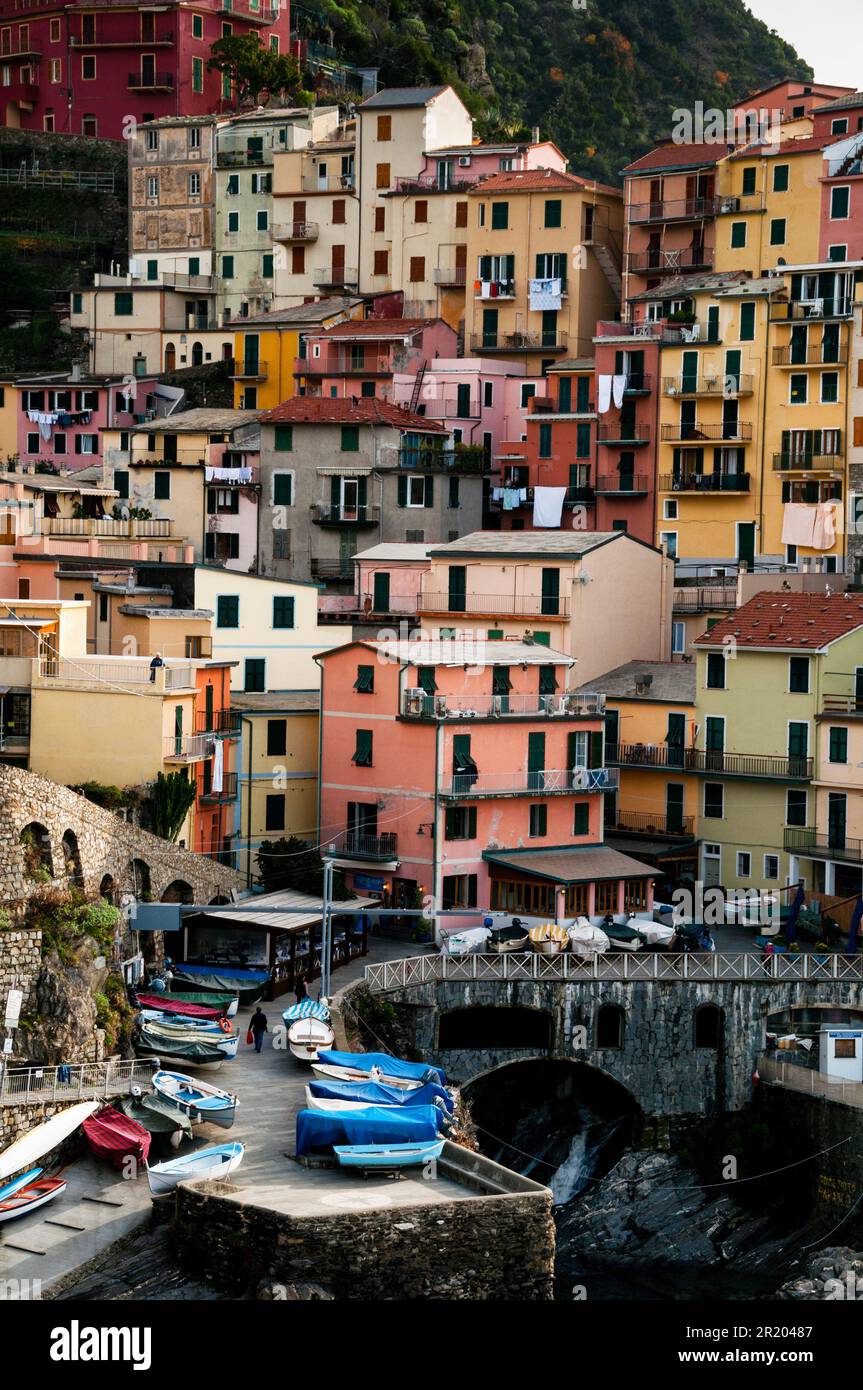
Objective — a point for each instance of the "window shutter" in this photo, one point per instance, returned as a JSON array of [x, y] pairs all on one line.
[[362, 491], [858, 425], [428, 495], [402, 490], [594, 755], [335, 493]]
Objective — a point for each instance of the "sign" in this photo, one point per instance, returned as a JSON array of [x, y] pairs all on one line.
[[156, 917], [369, 882], [14, 1000]]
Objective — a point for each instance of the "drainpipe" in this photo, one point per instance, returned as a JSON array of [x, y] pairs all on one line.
[[246, 720]]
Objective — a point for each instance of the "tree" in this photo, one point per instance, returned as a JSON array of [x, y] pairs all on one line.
[[294, 863], [253, 69], [168, 804]]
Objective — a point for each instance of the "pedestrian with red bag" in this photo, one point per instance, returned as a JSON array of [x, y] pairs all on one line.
[[257, 1029]]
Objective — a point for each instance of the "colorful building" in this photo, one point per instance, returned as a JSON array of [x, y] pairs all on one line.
[[61, 416], [278, 770], [268, 348], [479, 400], [172, 201], [316, 216], [360, 357]]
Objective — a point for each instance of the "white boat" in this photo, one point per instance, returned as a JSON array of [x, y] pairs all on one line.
[[39, 1141], [464, 943], [214, 1163], [309, 1036], [354, 1074], [586, 940], [654, 933], [324, 1103], [196, 1099], [30, 1195]]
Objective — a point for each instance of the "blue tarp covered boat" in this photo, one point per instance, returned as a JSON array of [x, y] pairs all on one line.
[[390, 1066], [320, 1130], [375, 1093], [307, 1008], [218, 979]]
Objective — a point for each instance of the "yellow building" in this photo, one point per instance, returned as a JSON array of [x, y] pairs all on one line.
[[8, 421], [268, 348], [278, 770], [525, 229], [769, 204], [649, 724]]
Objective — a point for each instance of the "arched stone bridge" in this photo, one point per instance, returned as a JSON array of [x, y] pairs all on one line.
[[681, 1032]]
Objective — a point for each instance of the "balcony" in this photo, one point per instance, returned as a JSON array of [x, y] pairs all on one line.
[[180, 280], [682, 261], [339, 183], [802, 310], [807, 462], [452, 277], [344, 364], [519, 342], [628, 436], [295, 231], [187, 748], [496, 289], [416, 704], [841, 704], [648, 823], [104, 526], [335, 276], [712, 385], [134, 672], [645, 755], [355, 844], [250, 369], [465, 458], [687, 333], [255, 158], [811, 845], [325, 515], [757, 765], [726, 431], [705, 482], [623, 485], [496, 605], [674, 210], [637, 384], [150, 82], [337, 571], [228, 792], [430, 184], [223, 723], [740, 202], [705, 599], [255, 11], [17, 49], [791, 356], [469, 786]]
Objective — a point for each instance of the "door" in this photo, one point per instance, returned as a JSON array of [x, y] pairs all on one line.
[[148, 70], [674, 808], [299, 218], [489, 328], [178, 729], [251, 354], [830, 343], [689, 371], [732, 370], [550, 591], [713, 324], [730, 417], [338, 265], [837, 803], [746, 542], [170, 357], [536, 762], [688, 419], [347, 551], [501, 686], [381, 601], [549, 328], [714, 742], [798, 747], [711, 865], [322, 177], [612, 734], [457, 589], [675, 739], [350, 501], [858, 687], [799, 343]]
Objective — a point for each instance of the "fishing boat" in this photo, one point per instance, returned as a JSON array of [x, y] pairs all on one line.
[[27, 1197], [196, 1099], [387, 1156], [162, 1121], [212, 1164], [112, 1135], [309, 1036], [376, 1066], [587, 941], [374, 1093], [22, 1180], [248, 985], [178, 1006], [318, 1131], [512, 938], [39, 1141], [622, 938], [307, 1008], [205, 1052], [205, 1026], [549, 939], [170, 1033], [228, 1002]]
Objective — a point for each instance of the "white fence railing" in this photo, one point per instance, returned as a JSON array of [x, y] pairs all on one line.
[[747, 966], [83, 1081], [814, 1083]]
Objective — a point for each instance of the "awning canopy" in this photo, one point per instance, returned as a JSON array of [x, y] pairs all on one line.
[[571, 864]]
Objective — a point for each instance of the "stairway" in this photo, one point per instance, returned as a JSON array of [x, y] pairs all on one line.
[[418, 386], [608, 265]]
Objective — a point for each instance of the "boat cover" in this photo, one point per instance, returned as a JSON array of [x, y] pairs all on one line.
[[173, 1004], [220, 977], [209, 998], [307, 1008], [155, 1115], [393, 1066], [192, 1049], [321, 1129], [114, 1136], [375, 1093]]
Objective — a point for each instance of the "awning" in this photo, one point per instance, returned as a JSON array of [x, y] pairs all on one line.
[[575, 864], [355, 470], [655, 848]]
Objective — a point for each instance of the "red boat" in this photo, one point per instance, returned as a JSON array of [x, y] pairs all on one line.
[[115, 1137], [35, 1194], [168, 1003]]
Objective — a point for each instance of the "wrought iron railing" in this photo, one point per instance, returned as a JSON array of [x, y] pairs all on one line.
[[506, 605], [362, 846], [833, 845], [464, 786], [417, 704]]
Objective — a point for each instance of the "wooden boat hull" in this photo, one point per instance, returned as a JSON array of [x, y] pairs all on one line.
[[27, 1199], [323, 1103], [502, 947], [213, 1164], [196, 1099], [354, 1074], [43, 1138], [549, 948], [387, 1156], [309, 1036]]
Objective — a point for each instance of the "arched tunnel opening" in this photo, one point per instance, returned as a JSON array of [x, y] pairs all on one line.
[[489, 1028]]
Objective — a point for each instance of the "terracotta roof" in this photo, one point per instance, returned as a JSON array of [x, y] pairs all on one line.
[[805, 145], [534, 180], [346, 410], [841, 103], [671, 156], [781, 620], [299, 313], [378, 328]]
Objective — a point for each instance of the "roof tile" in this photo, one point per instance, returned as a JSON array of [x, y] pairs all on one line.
[[807, 621]]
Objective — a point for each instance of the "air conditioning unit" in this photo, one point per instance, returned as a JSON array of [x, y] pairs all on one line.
[[414, 700], [464, 161]]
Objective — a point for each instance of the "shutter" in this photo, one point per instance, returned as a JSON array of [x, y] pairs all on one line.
[[335, 493], [402, 490], [461, 752], [362, 491], [858, 425], [594, 750], [571, 747], [471, 823], [428, 494]]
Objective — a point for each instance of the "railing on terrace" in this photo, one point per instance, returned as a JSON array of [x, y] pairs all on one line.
[[704, 599], [645, 755], [181, 280], [790, 463], [692, 333], [672, 262], [792, 356], [325, 568], [104, 526], [802, 840], [362, 846], [368, 514], [419, 705], [82, 1081], [622, 483], [94, 179], [227, 792], [518, 342], [465, 786], [711, 385], [337, 183], [335, 275], [838, 307], [151, 82], [841, 704], [469, 458], [814, 1083], [651, 823], [344, 364], [295, 231], [704, 482], [179, 677], [748, 966], [250, 369], [185, 748], [506, 605], [748, 764], [230, 159], [697, 430], [108, 671], [624, 433], [430, 184], [452, 275], [673, 209], [222, 723]]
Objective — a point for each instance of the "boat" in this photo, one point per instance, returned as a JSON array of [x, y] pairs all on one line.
[[654, 933], [212, 1164], [171, 1034], [585, 940], [307, 1008], [248, 985], [205, 1026], [228, 1002], [196, 1099], [512, 938], [549, 939], [24, 1179], [387, 1155], [319, 1131], [157, 1116], [622, 938], [181, 1008], [377, 1066], [307, 1037], [464, 943], [369, 1092], [39, 1141], [206, 1052], [112, 1135], [27, 1198]]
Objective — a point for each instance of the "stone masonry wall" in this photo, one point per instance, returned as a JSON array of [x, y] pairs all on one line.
[[20, 962]]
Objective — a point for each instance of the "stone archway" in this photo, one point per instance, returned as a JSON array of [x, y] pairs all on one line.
[[178, 891], [72, 858], [108, 889], [36, 846]]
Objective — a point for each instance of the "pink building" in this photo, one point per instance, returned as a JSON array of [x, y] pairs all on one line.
[[838, 128], [479, 401], [789, 100], [466, 771], [361, 358], [86, 69], [460, 166], [60, 415], [670, 204]]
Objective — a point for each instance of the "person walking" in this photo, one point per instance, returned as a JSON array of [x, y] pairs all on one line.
[[258, 1027], [300, 988]]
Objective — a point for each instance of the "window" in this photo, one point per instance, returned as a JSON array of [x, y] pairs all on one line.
[[33, 443], [363, 750], [59, 443], [714, 800], [152, 270], [194, 185], [254, 668], [738, 234], [417, 269], [55, 31], [771, 866], [421, 210], [380, 219], [798, 389], [552, 212], [460, 823], [547, 680], [581, 821], [48, 118], [749, 180], [829, 387], [667, 539], [267, 265], [121, 482], [281, 544], [162, 486], [670, 509], [197, 74], [277, 737], [461, 214], [350, 439], [538, 821], [840, 204], [385, 128], [365, 681], [839, 126], [709, 1026], [678, 639], [744, 863], [227, 267], [499, 217], [780, 178], [798, 674], [715, 671], [283, 611], [227, 610], [381, 263], [609, 1017], [838, 745], [795, 807], [545, 440], [198, 26], [123, 305], [339, 216], [459, 890], [89, 126], [275, 812], [382, 176], [839, 252], [747, 322], [453, 494], [88, 68], [233, 185], [262, 219], [777, 231], [55, 71], [233, 221]]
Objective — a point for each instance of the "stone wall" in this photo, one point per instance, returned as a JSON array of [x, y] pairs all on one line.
[[822, 1137], [658, 1062], [20, 962], [497, 1246], [106, 846]]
